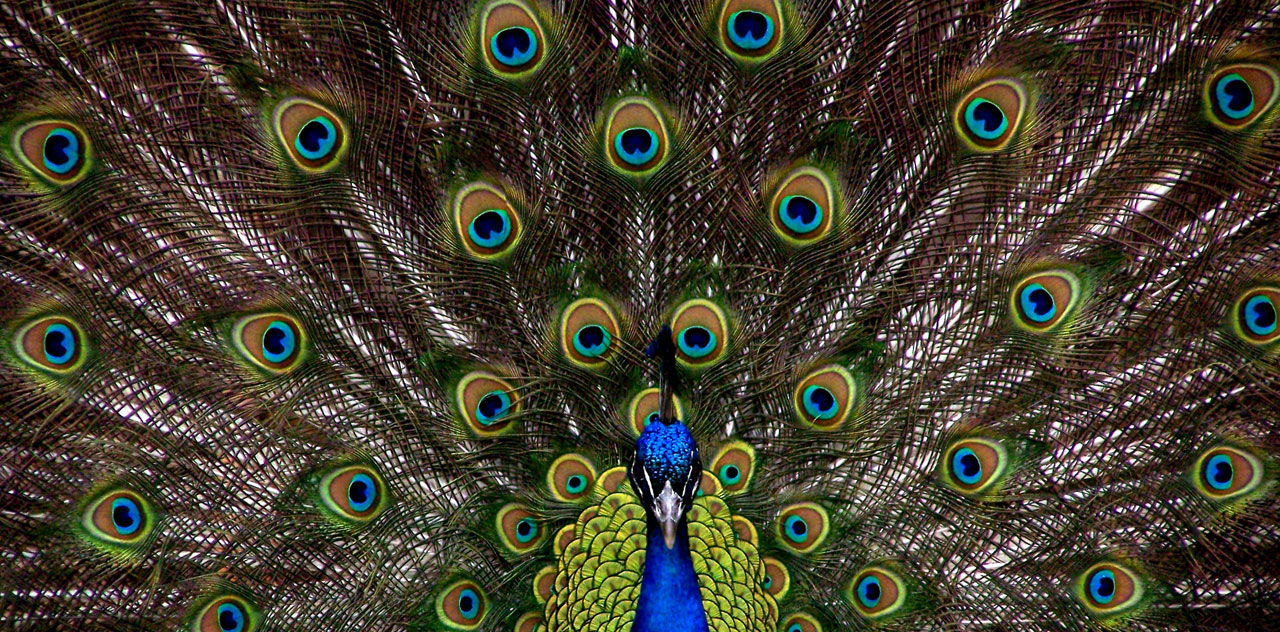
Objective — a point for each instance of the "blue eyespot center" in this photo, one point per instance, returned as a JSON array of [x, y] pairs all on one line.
[[1234, 96], [750, 30], [468, 603], [526, 530], [1260, 315], [126, 516], [1219, 472], [514, 46], [796, 529], [794, 627], [768, 582], [869, 591], [592, 341], [361, 492], [61, 151], [1102, 586], [800, 214], [651, 419], [278, 341], [230, 617], [316, 138], [59, 344], [820, 402], [985, 119], [966, 466], [636, 145], [730, 474], [576, 483], [1037, 303], [696, 341], [490, 228], [493, 407]]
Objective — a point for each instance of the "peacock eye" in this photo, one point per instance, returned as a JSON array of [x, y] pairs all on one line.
[[643, 409], [877, 592], [488, 403], [1224, 472], [119, 517], [1255, 316], [518, 529], [636, 137], [57, 151], [1043, 301], [701, 331], [802, 527], [987, 118], [1237, 95], [800, 622], [570, 477], [227, 613], [588, 328], [1108, 588], [54, 344], [733, 465], [272, 342], [355, 494], [462, 605], [777, 580], [971, 466], [486, 222], [825, 397], [544, 581], [530, 622], [802, 207], [312, 135], [750, 30], [514, 42]]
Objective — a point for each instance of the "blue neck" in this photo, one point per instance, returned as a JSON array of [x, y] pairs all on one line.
[[669, 597]]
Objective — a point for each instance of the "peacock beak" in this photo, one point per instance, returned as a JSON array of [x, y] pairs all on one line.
[[668, 509]]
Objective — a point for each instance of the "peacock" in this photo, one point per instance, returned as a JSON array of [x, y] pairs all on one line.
[[626, 315]]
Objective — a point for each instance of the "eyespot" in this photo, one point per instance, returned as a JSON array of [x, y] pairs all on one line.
[[800, 622], [1042, 302], [588, 329], [1224, 473], [701, 332], [56, 151], [1108, 588], [1236, 96], [1254, 316], [988, 117], [777, 580], [745, 531], [513, 41], [462, 605], [825, 398], [487, 225], [312, 135], [571, 477], [877, 592], [518, 529], [119, 518], [636, 140], [802, 527], [612, 479], [545, 580], [733, 466], [355, 494], [708, 485], [750, 30], [227, 613], [488, 403], [644, 409], [971, 466], [802, 208], [53, 344], [529, 622], [272, 342]]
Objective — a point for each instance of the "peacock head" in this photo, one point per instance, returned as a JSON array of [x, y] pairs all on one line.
[[666, 470]]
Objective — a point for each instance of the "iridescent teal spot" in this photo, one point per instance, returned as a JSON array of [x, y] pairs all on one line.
[[985, 119], [514, 46], [316, 138], [490, 228], [592, 341], [819, 402], [869, 592], [696, 341], [278, 341], [526, 530], [125, 516], [800, 214], [493, 407], [576, 484], [636, 145], [230, 617], [59, 344], [468, 604], [750, 30], [1260, 315], [1234, 96], [966, 466], [1102, 586], [1037, 303], [796, 529], [730, 474], [1219, 473], [361, 492], [61, 151]]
